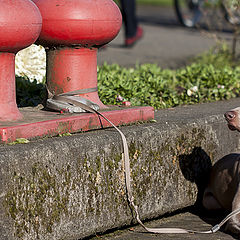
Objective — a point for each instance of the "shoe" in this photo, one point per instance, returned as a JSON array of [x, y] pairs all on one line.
[[129, 42]]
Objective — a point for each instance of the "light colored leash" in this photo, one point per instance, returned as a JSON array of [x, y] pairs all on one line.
[[64, 98]]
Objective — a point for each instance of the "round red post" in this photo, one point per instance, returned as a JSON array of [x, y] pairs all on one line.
[[72, 32], [20, 25]]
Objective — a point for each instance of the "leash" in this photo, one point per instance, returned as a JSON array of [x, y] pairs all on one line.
[[87, 107]]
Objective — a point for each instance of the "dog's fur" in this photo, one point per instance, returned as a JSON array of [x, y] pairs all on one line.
[[223, 190], [233, 119]]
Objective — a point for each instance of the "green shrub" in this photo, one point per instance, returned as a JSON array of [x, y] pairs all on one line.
[[150, 85], [211, 77], [29, 93]]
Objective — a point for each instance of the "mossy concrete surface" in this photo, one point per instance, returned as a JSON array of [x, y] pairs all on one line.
[[72, 187]]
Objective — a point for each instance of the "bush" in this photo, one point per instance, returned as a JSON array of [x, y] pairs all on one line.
[[150, 85], [29, 93], [211, 77]]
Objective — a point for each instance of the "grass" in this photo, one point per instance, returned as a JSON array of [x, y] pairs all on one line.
[[153, 2], [211, 77], [156, 2]]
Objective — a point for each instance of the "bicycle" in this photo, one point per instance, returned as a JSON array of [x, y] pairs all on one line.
[[191, 12]]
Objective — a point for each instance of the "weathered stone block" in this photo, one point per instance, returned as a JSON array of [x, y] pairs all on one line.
[[72, 187]]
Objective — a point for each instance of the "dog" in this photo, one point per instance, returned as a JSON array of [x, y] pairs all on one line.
[[233, 119], [223, 190]]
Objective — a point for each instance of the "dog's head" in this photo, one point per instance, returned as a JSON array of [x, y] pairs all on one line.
[[233, 119]]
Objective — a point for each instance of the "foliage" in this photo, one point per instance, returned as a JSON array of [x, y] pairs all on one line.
[[153, 2], [29, 93], [211, 77], [64, 134], [148, 84], [219, 56], [156, 2], [19, 141]]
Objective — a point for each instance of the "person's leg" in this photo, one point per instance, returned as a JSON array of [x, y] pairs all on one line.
[[129, 17]]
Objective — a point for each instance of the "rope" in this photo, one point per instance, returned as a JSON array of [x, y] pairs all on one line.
[[63, 97]]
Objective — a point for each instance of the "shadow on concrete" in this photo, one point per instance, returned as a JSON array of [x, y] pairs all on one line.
[[161, 21], [196, 168], [155, 15]]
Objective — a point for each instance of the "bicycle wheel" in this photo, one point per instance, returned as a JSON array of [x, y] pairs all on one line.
[[188, 11], [231, 12]]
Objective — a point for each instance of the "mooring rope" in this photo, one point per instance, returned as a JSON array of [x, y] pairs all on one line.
[[64, 98]]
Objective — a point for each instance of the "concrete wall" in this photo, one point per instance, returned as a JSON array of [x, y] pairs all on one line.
[[72, 187]]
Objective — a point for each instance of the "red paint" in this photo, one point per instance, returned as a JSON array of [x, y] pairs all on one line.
[[71, 69], [78, 22], [72, 30], [8, 106], [40, 123], [20, 25]]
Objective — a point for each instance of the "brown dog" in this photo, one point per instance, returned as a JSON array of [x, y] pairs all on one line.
[[223, 190], [233, 119]]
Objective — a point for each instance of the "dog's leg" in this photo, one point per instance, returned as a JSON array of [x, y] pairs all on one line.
[[209, 201], [233, 224]]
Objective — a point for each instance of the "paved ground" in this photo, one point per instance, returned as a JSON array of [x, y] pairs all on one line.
[[185, 220], [165, 41]]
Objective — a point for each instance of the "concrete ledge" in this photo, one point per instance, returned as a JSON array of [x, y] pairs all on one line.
[[72, 187]]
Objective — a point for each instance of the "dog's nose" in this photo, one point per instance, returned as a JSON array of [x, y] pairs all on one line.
[[230, 115]]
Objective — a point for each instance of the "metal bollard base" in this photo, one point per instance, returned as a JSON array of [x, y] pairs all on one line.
[[38, 123]]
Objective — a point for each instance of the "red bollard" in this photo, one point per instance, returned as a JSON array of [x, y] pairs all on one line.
[[20, 25], [72, 31]]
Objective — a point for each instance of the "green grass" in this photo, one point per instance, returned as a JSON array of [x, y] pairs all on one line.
[[148, 84], [211, 77], [153, 2], [156, 2]]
